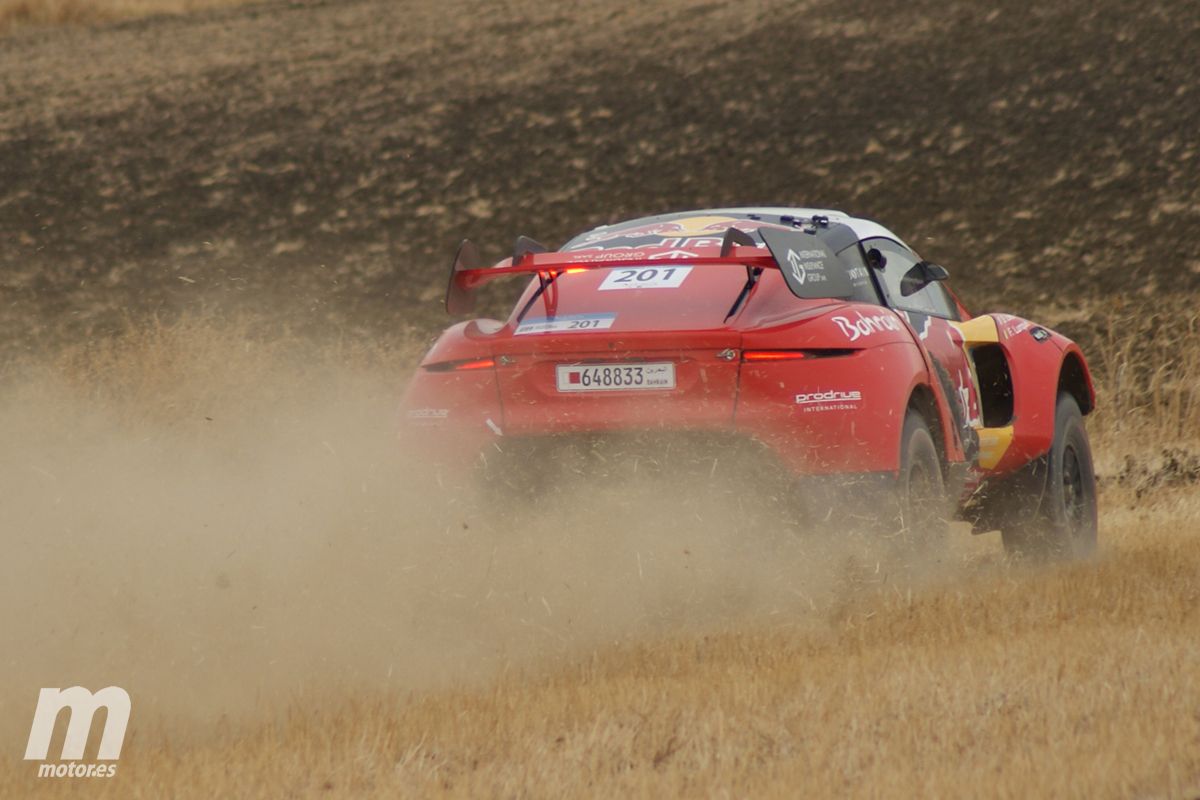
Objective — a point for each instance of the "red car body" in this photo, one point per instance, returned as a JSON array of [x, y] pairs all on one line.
[[808, 346]]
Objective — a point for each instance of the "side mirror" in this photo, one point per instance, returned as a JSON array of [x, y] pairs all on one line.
[[921, 275]]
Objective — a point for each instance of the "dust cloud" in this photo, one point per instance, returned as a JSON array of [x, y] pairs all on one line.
[[225, 525]]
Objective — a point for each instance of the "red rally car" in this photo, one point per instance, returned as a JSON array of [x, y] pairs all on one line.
[[820, 337]]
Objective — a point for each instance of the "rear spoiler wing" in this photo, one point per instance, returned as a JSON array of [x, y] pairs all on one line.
[[809, 265]]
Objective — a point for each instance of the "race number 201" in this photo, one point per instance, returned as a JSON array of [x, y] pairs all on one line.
[[645, 278]]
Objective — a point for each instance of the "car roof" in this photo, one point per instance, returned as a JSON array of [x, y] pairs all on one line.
[[863, 228]]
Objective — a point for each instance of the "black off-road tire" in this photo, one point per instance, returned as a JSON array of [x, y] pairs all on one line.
[[1066, 523], [920, 488]]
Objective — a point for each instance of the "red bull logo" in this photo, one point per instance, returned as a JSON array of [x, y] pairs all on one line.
[[700, 231]]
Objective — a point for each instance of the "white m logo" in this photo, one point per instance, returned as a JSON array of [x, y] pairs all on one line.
[[83, 705]]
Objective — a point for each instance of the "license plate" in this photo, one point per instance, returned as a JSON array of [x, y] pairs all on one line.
[[614, 377]]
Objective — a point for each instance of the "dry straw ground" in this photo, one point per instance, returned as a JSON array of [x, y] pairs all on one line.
[[368, 644]]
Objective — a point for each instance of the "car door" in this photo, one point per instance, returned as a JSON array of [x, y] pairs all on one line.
[[932, 313]]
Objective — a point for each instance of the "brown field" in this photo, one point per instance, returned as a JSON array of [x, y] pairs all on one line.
[[24, 13], [223, 239]]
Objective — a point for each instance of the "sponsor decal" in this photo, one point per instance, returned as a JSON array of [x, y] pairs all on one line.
[[646, 247], [645, 278], [829, 400], [681, 233], [866, 326], [964, 401], [804, 267], [81, 706], [689, 227], [1011, 326], [959, 397], [968, 393], [571, 323], [920, 323], [428, 414], [672, 254], [600, 254]]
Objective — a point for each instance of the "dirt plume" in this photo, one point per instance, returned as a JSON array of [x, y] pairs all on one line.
[[177, 503], [221, 521]]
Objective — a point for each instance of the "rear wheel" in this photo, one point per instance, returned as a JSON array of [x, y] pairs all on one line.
[[1066, 522], [920, 490]]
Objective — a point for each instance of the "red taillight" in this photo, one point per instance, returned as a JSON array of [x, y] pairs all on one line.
[[773, 355], [793, 355], [482, 363], [459, 366]]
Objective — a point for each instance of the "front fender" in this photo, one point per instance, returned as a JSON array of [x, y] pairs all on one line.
[[1043, 363]]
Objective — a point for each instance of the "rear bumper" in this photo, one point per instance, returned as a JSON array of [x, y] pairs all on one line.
[[833, 417], [720, 462], [679, 465], [817, 416]]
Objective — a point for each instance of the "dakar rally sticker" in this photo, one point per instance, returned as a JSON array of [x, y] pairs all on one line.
[[571, 323], [645, 278]]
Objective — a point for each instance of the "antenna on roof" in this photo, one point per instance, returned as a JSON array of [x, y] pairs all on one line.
[[817, 221]]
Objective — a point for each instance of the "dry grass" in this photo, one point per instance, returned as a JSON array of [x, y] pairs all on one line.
[[1076, 682], [983, 678], [1080, 681], [16, 14], [1146, 361]]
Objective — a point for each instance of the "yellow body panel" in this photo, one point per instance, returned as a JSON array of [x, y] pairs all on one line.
[[993, 443], [981, 330]]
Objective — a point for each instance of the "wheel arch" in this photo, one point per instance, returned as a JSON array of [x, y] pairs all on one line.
[[1075, 379], [1043, 365], [923, 401]]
